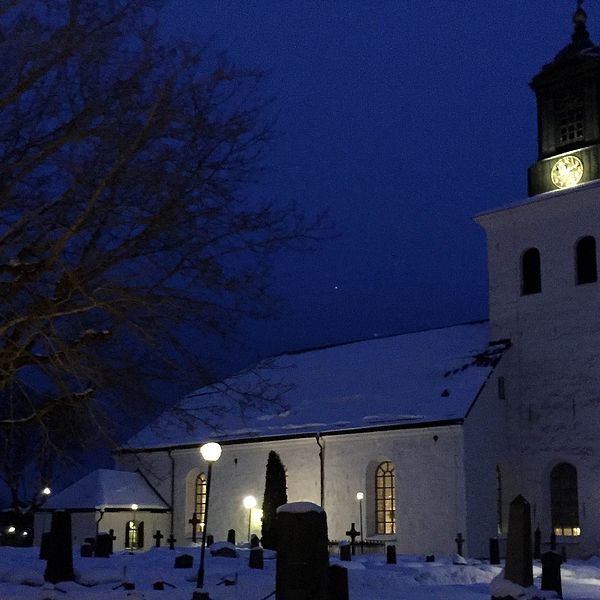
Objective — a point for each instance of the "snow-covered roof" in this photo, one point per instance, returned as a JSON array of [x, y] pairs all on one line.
[[104, 489], [405, 380]]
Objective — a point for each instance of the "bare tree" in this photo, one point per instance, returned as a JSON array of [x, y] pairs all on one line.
[[127, 213]]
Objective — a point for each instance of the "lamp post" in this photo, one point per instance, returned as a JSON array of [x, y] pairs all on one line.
[[210, 453], [249, 503], [360, 496], [45, 494], [133, 538]]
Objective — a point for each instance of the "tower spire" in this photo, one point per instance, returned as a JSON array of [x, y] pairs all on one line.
[[581, 36]]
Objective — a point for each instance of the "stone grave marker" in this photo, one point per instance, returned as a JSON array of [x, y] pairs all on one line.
[[103, 547], [231, 536], [302, 553], [171, 541], [194, 521], [254, 541], [210, 540], [59, 565], [184, 561], [537, 542], [256, 560], [519, 569], [353, 534], [345, 551], [338, 583], [158, 536], [460, 540], [494, 551], [551, 579], [86, 551], [390, 553]]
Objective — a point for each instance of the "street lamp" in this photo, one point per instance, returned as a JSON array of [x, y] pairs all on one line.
[[360, 496], [249, 503], [210, 453]]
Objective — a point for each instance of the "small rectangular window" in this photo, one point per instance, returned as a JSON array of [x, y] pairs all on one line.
[[501, 388]]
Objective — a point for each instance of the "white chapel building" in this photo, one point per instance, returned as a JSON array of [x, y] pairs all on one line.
[[439, 429]]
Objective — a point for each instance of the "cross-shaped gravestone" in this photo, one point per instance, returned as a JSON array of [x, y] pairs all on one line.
[[353, 535], [194, 521], [158, 536], [171, 541], [459, 543]]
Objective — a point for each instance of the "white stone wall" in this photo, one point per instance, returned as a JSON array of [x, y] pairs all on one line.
[[552, 371], [430, 486]]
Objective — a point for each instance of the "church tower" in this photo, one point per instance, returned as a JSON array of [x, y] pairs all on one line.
[[544, 295], [568, 106]]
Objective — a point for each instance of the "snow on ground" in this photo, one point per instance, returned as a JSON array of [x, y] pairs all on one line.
[[21, 578]]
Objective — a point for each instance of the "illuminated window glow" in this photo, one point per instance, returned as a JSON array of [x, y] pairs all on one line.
[[200, 501], [385, 498]]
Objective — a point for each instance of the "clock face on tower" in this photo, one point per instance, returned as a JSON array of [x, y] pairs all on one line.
[[567, 172]]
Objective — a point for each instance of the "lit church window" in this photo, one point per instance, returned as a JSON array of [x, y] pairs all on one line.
[[564, 500], [385, 498], [586, 260], [134, 535], [200, 501], [531, 275]]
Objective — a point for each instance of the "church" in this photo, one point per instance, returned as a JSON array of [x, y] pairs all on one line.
[[419, 437]]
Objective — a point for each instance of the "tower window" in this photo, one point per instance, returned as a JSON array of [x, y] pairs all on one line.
[[385, 497], [564, 500], [569, 111], [531, 275], [586, 260]]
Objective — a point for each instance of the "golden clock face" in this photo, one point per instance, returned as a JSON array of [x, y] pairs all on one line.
[[567, 172]]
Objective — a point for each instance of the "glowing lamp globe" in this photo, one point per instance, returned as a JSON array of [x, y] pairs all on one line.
[[134, 506], [210, 452], [46, 491], [249, 502], [359, 495]]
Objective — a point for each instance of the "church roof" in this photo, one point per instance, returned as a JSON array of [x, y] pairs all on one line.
[[107, 489], [410, 380]]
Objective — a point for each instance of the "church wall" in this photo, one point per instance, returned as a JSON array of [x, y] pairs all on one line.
[[553, 381], [428, 516]]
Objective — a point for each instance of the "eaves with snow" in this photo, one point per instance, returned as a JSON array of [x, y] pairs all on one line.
[[410, 380]]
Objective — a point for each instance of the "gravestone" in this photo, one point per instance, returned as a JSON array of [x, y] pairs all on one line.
[[519, 569], [103, 548], [353, 535], [460, 540], [537, 542], [171, 541], [430, 558], [551, 579], [338, 583], [256, 560], [194, 521], [184, 561], [494, 551], [59, 565], [91, 541], [553, 541], [302, 553], [86, 551], [254, 541], [45, 545], [390, 553], [345, 551], [113, 537], [210, 540], [224, 550], [563, 553], [158, 536], [231, 536]]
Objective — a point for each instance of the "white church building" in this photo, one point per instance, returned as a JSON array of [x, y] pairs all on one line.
[[438, 429]]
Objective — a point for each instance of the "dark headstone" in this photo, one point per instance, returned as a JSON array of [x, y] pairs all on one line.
[[494, 551], [158, 536], [86, 551], [210, 540], [519, 568], [184, 561], [302, 554], [537, 543], [551, 579], [231, 536], [430, 558], [353, 534], [103, 545], [345, 552], [254, 541], [390, 552], [128, 585], [553, 541], [113, 537], [158, 585], [171, 541], [224, 550], [200, 596], [194, 521], [45, 545], [459, 543], [563, 553], [59, 565], [338, 583], [91, 541], [256, 558]]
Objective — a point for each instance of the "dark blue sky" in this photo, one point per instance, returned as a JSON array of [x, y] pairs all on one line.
[[404, 119]]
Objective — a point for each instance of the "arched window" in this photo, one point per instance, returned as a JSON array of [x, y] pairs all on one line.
[[200, 501], [385, 498], [499, 499], [563, 500], [586, 260], [531, 273], [134, 535]]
